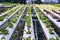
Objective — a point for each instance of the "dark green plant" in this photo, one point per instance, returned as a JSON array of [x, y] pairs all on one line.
[[3, 31], [48, 24], [10, 25], [50, 30], [57, 38], [1, 18], [51, 39], [29, 32], [28, 38], [14, 19]]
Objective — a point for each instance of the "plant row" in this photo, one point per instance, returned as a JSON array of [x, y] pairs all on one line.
[[28, 21], [52, 16], [11, 26], [28, 30], [8, 14], [48, 25]]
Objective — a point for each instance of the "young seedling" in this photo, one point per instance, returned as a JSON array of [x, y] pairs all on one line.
[[51, 31], [51, 39], [28, 38], [10, 25], [3, 31], [1, 18]]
